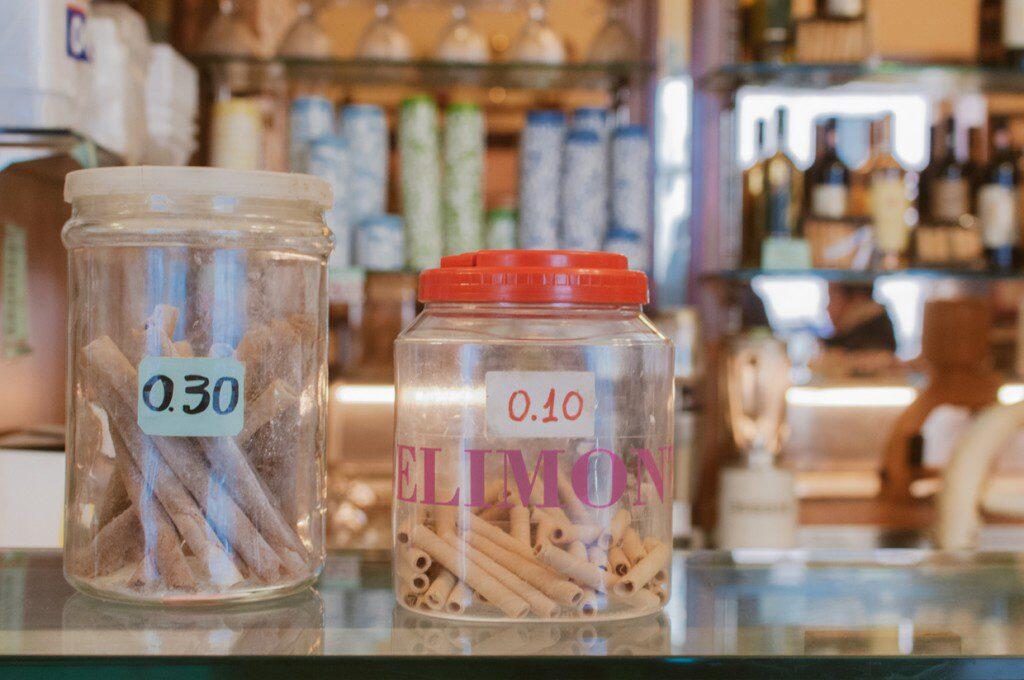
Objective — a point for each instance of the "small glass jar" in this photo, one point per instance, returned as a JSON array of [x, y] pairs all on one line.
[[533, 449], [196, 383]]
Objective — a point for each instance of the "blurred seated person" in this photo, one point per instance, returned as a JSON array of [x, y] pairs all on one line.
[[863, 341]]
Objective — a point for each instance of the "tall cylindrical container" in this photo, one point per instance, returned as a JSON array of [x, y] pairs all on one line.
[[631, 192], [463, 154], [540, 169], [311, 117], [197, 396], [328, 158], [365, 129], [584, 191], [421, 182]]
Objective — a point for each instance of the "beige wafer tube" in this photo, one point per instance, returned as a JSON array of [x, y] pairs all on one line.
[[476, 577], [402, 533], [632, 547], [406, 595], [472, 523], [444, 519], [662, 592], [438, 592], [650, 543], [540, 604], [519, 524], [589, 603], [559, 589], [578, 550], [584, 533], [494, 513], [619, 524], [459, 599], [417, 559], [641, 599], [417, 581], [581, 571], [618, 561], [577, 510], [642, 572]]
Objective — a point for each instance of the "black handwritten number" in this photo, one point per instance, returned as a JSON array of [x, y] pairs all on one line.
[[201, 389], [232, 403], [168, 390]]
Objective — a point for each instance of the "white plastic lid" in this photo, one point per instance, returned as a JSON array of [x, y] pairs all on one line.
[[169, 181]]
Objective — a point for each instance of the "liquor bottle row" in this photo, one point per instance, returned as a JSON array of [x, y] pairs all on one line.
[[958, 212]]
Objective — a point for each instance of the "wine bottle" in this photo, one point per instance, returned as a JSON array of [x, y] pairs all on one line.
[[977, 161], [999, 202], [949, 188], [1013, 32], [888, 196], [828, 178], [840, 9], [783, 186], [754, 208], [991, 51]]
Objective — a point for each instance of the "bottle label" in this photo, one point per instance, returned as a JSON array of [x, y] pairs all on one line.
[[1013, 24], [998, 212], [949, 199], [845, 8], [540, 404], [830, 201], [889, 210], [193, 397]]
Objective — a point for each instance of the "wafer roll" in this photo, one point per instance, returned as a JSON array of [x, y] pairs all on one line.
[[444, 519], [581, 571], [519, 524], [642, 572], [472, 523], [618, 561], [632, 547], [477, 578], [641, 599], [619, 524], [438, 592], [590, 602], [584, 533], [417, 581], [418, 560], [579, 513], [459, 599], [406, 594], [596, 555], [578, 550], [540, 604], [558, 588]]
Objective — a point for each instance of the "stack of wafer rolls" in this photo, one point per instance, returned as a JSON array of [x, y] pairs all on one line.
[[182, 515], [514, 558]]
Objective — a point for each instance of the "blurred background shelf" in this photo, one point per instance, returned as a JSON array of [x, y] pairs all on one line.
[[744, 276], [52, 151], [431, 74], [921, 76]]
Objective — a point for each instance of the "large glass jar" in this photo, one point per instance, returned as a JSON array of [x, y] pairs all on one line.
[[197, 383], [533, 444]]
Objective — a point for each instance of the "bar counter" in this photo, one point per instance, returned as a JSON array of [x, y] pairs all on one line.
[[885, 613]]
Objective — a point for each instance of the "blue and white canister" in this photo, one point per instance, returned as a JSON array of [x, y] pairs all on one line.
[[312, 117], [584, 192], [540, 169], [631, 244], [631, 180], [328, 159], [380, 243], [365, 128]]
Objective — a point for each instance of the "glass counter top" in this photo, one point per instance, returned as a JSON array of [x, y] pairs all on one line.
[[770, 614]]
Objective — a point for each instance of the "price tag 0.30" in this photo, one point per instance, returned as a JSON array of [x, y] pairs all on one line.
[[540, 404], [191, 397]]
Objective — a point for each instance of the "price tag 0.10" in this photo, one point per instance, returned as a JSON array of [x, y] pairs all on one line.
[[191, 397], [540, 404]]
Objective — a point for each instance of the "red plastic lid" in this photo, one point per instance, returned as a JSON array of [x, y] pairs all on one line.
[[534, 276]]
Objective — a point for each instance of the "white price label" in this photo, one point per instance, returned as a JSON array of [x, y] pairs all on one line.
[[540, 404]]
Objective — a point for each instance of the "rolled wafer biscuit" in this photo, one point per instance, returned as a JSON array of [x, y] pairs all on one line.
[[642, 572], [581, 571], [597, 556], [417, 581], [641, 599], [540, 604], [476, 577], [406, 595], [661, 590], [402, 533], [474, 524], [444, 519], [617, 561], [579, 512], [584, 533], [590, 602], [619, 524], [519, 524], [578, 550], [650, 543], [459, 599], [632, 547], [558, 588], [438, 592], [494, 513], [416, 559]]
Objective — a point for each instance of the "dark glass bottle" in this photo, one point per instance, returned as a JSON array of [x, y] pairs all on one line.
[[1013, 32], [755, 212], [840, 9], [977, 161], [949, 189], [991, 51], [773, 26], [828, 178], [783, 186], [999, 202]]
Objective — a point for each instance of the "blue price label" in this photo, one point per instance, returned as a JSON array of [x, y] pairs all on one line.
[[191, 397]]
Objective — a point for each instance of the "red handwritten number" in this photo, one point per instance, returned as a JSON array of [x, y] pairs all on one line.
[[550, 406], [512, 406], [565, 405]]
